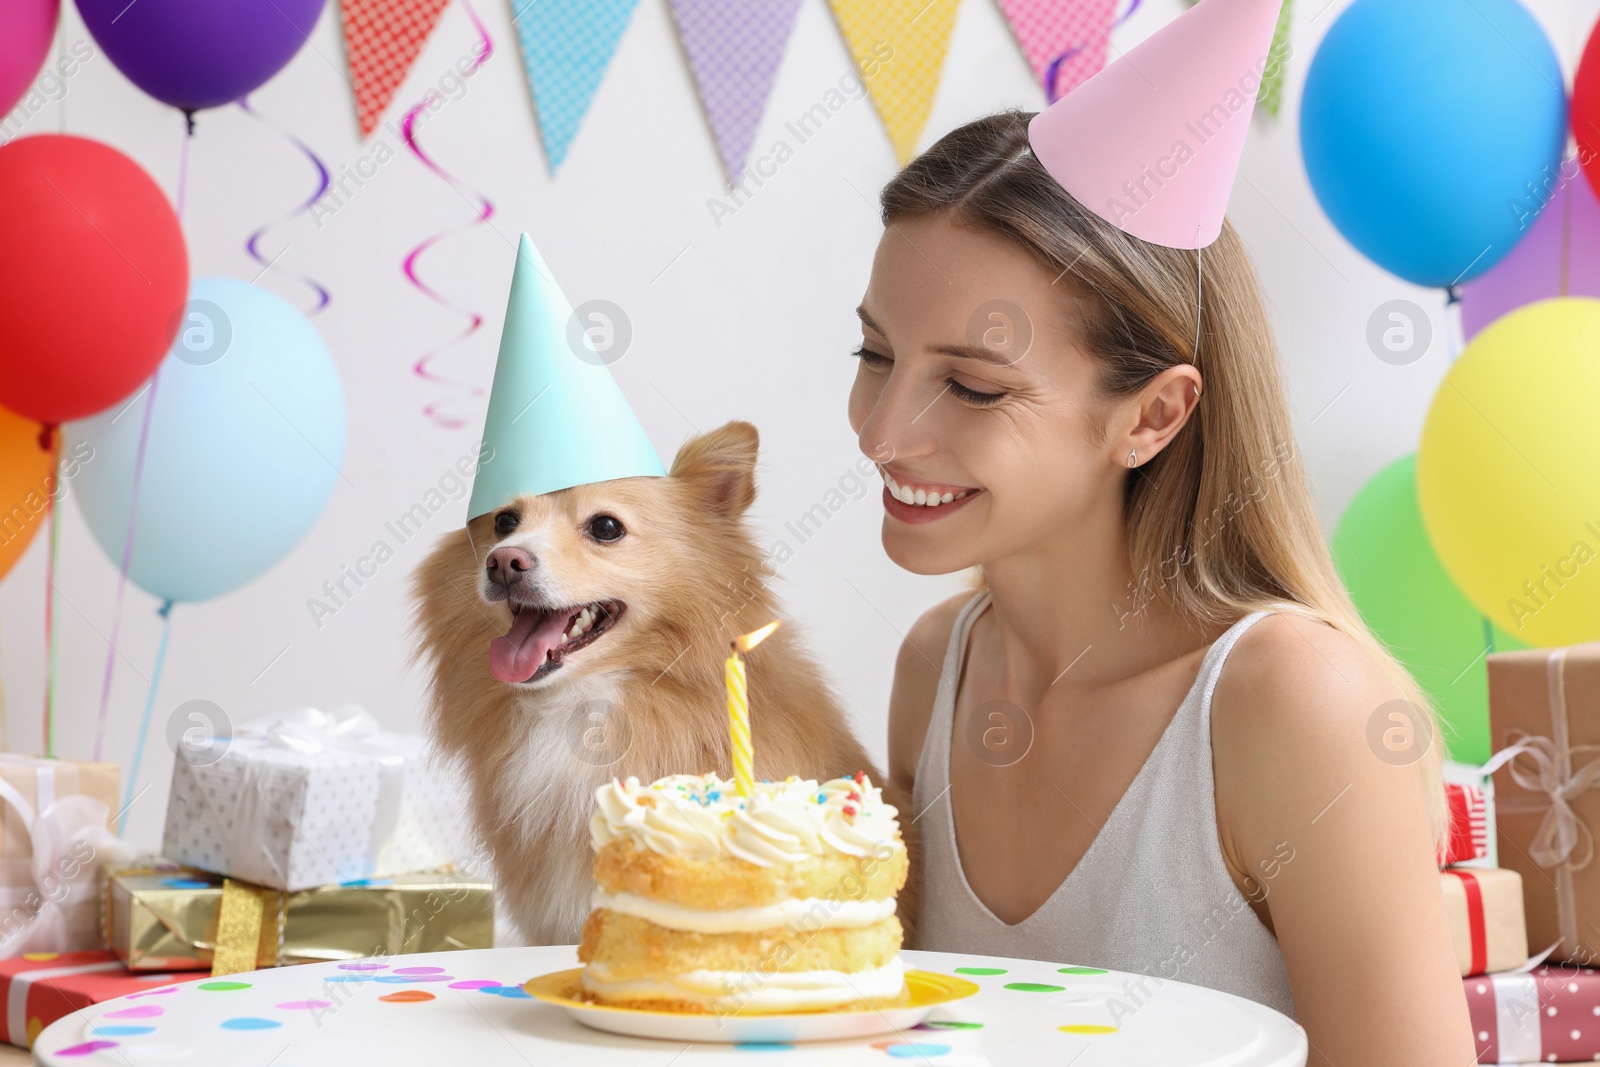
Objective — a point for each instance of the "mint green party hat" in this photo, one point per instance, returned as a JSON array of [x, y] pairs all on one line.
[[556, 417]]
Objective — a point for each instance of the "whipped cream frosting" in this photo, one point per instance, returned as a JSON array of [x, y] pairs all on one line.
[[814, 913], [701, 816], [734, 991]]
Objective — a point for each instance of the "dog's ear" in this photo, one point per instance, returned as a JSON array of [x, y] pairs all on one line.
[[721, 465]]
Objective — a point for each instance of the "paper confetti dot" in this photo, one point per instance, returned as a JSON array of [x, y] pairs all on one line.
[[222, 987], [348, 978], [121, 1031], [164, 990], [474, 983], [249, 1022], [916, 1050], [1034, 987], [138, 1011], [980, 970], [1081, 970], [85, 1049], [41, 957], [1087, 1028], [407, 996], [35, 1028], [950, 1024], [363, 966], [304, 1005], [419, 970], [762, 1046], [514, 992]]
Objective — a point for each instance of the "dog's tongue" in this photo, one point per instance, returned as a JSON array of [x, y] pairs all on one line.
[[517, 655]]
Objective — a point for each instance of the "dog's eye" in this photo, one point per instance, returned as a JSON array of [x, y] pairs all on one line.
[[605, 528], [505, 522]]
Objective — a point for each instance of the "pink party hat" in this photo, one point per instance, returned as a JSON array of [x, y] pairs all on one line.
[[1152, 142]]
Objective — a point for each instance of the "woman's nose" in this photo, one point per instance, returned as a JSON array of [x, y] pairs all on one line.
[[901, 421]]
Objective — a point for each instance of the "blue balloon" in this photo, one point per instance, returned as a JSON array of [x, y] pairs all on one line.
[[1431, 131], [245, 444]]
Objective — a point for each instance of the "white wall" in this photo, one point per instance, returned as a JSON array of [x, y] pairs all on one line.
[[750, 319]]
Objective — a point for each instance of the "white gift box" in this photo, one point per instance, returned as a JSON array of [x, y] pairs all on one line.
[[307, 798]]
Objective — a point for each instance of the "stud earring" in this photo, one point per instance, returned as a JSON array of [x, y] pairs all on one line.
[[1133, 458]]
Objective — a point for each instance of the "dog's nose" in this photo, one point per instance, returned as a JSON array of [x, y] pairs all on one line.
[[507, 564]]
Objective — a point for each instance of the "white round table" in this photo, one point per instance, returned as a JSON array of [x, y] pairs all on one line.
[[442, 1009]]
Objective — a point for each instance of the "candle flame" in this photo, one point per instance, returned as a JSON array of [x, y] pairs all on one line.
[[745, 642]]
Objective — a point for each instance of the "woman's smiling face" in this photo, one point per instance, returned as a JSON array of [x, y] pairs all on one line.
[[972, 387]]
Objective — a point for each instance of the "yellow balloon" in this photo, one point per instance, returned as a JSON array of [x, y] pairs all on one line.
[[1508, 472]]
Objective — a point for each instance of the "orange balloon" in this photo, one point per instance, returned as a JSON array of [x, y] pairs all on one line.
[[26, 478]]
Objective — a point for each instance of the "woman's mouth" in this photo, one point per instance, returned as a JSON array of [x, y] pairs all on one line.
[[917, 502]]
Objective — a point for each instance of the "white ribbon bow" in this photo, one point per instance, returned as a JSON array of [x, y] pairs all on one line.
[[58, 909]]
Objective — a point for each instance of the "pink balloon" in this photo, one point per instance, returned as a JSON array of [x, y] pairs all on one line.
[[26, 29], [1559, 256]]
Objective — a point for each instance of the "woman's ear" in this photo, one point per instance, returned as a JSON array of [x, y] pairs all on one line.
[[721, 467]]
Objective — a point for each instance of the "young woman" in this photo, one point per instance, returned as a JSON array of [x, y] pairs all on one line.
[[1090, 785]]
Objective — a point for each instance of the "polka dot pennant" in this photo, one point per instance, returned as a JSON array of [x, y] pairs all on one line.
[[407, 996], [250, 1022], [982, 972], [222, 987], [1087, 1028], [1034, 987]]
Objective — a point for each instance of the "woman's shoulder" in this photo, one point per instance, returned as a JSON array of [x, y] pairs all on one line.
[[917, 671]]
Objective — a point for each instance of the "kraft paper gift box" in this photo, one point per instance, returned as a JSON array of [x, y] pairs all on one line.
[[1544, 719], [1485, 909], [1549, 1014], [41, 987], [306, 798], [56, 832], [167, 917]]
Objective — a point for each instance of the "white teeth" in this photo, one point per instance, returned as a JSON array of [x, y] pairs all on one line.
[[919, 497], [907, 495], [581, 624], [947, 498]]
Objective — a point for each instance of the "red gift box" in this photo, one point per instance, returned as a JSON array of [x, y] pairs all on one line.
[[41, 987], [1550, 1013], [1469, 826]]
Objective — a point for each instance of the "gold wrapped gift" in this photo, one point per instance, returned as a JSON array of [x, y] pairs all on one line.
[[167, 917]]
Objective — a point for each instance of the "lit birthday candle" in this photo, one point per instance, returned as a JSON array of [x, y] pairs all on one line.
[[739, 708]]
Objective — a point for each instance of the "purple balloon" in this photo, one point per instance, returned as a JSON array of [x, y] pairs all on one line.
[[1559, 256], [194, 54]]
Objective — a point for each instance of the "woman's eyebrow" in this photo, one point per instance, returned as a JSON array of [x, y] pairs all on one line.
[[959, 351]]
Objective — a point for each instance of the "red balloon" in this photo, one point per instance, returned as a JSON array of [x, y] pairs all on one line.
[[1585, 110], [93, 273]]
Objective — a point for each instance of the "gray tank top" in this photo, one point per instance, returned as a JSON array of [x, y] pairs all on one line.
[[1150, 896]]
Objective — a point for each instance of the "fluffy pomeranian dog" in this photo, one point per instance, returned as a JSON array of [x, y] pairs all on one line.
[[580, 635]]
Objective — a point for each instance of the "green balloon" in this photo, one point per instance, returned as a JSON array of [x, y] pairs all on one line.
[[1411, 605]]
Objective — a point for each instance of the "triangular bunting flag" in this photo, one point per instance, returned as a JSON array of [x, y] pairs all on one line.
[[734, 47], [381, 41], [899, 46], [566, 48], [1065, 41]]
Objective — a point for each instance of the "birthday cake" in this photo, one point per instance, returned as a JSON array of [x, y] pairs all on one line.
[[709, 901]]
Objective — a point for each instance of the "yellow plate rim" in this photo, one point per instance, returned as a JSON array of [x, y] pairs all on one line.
[[939, 989]]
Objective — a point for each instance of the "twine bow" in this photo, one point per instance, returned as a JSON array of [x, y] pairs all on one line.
[[1544, 766]]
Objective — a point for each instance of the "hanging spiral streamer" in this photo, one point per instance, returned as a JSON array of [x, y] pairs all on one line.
[[324, 182], [435, 410]]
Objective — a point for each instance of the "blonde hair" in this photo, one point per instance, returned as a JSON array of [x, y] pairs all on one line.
[[1200, 534]]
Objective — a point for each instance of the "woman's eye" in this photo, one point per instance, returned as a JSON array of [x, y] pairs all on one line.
[[870, 358], [973, 396], [605, 528], [505, 522]]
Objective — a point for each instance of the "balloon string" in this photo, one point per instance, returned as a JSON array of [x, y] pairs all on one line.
[[165, 611], [51, 516], [408, 266], [127, 561], [324, 183], [183, 172]]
